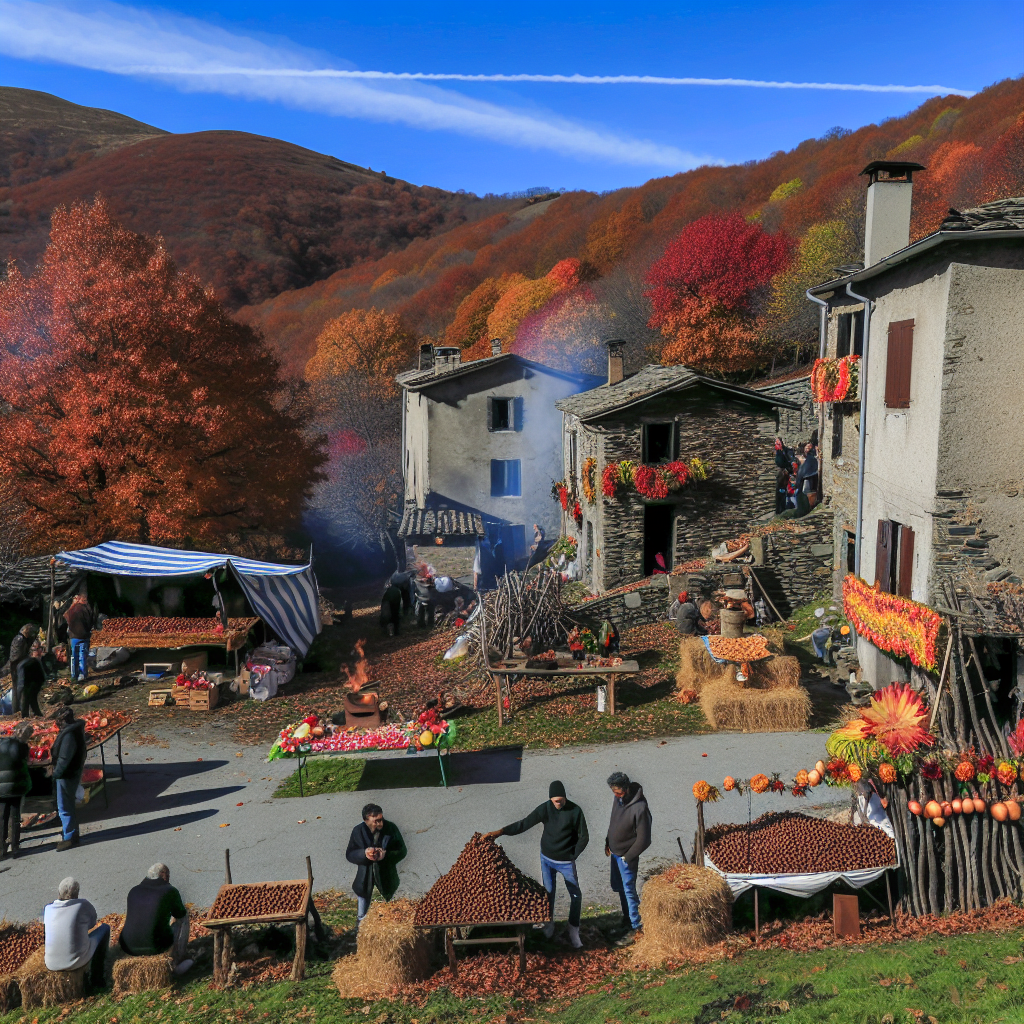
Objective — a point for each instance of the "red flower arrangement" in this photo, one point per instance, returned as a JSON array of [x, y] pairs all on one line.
[[577, 513], [563, 496], [835, 380], [652, 482], [587, 480], [649, 483], [894, 624]]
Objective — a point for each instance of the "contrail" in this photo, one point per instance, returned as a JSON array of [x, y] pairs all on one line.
[[441, 76]]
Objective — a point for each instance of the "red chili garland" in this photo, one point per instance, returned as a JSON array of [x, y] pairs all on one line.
[[835, 380]]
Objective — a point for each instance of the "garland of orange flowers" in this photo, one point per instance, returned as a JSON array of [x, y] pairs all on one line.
[[894, 624], [835, 380], [652, 482], [587, 480]]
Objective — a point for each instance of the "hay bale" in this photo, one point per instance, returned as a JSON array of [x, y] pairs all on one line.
[[776, 637], [684, 908], [41, 987], [135, 974], [697, 667], [390, 951], [727, 706], [775, 673], [10, 993]]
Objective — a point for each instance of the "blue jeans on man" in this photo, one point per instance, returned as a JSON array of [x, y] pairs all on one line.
[[549, 870], [624, 883], [79, 659], [66, 790]]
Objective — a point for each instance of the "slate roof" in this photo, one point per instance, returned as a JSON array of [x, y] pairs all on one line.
[[1001, 215], [417, 380], [428, 522], [652, 380]]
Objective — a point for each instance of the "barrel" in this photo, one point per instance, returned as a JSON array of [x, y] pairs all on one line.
[[732, 622]]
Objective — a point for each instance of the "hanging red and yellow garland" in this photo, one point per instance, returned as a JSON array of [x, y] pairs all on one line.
[[652, 482], [835, 380], [894, 624], [587, 480]]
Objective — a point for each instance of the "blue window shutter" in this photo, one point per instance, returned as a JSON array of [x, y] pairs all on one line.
[[517, 414], [497, 478], [514, 478]]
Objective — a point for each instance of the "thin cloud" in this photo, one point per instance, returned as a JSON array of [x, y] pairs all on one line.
[[194, 56], [440, 76]]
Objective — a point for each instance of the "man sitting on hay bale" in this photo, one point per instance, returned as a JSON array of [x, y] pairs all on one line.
[[73, 939], [147, 929]]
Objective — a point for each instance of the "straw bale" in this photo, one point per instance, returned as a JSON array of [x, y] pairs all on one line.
[[684, 908], [775, 673], [41, 987], [10, 993], [697, 667], [390, 951], [776, 637], [135, 974], [727, 706]]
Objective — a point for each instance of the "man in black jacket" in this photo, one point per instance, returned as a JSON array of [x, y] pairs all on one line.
[[564, 838], [147, 928], [376, 846], [629, 834], [31, 679], [68, 756], [15, 783], [21, 651]]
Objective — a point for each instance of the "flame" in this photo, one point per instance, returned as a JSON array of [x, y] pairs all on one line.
[[355, 681]]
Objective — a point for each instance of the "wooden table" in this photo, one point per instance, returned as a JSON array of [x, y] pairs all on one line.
[[453, 939], [517, 667], [221, 927]]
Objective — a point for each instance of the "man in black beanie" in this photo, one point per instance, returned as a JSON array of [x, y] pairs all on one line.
[[565, 838]]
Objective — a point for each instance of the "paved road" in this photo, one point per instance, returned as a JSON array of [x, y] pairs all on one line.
[[174, 799]]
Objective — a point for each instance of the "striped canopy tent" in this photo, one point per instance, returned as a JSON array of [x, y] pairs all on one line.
[[284, 596]]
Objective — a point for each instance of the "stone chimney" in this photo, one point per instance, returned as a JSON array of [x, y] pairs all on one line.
[[887, 225], [446, 358], [426, 357], [495, 346], [615, 371]]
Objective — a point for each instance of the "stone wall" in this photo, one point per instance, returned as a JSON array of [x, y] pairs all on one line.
[[796, 560], [794, 424], [648, 603]]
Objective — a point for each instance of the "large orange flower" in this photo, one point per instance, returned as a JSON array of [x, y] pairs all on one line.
[[856, 729], [896, 716]]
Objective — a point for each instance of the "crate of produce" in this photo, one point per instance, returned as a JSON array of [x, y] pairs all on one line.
[[180, 694], [159, 698], [204, 700]]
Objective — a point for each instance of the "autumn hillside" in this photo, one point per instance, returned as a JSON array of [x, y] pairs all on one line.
[[490, 276], [252, 216]]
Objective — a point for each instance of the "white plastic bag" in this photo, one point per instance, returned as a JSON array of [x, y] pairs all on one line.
[[457, 649]]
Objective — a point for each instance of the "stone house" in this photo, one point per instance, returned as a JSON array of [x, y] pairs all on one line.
[[480, 450], [795, 424], [938, 499], [655, 416]]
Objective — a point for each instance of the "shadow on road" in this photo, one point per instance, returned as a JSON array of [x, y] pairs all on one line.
[[465, 768]]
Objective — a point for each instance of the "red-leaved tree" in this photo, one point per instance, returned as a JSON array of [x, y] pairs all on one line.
[[706, 289], [136, 409]]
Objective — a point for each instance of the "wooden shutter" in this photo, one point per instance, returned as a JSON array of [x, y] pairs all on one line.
[[906, 561], [883, 555], [898, 362]]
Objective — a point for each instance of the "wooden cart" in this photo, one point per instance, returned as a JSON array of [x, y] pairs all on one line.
[[303, 909]]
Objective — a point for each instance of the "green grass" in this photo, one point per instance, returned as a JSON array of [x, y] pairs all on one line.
[[348, 774], [948, 979], [331, 775]]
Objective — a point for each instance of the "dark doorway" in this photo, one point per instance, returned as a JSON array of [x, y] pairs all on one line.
[[658, 521]]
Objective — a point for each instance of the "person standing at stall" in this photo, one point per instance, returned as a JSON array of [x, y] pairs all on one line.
[[21, 651], [564, 839], [629, 834], [80, 620], [376, 846], [31, 679], [68, 756], [15, 784]]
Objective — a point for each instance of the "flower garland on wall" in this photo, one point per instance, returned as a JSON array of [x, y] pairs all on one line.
[[569, 502], [587, 480], [835, 380], [894, 624], [652, 482]]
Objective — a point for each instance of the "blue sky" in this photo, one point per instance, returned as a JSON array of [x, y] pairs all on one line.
[[258, 67]]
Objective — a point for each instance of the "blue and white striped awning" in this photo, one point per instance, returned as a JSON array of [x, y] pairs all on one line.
[[285, 597]]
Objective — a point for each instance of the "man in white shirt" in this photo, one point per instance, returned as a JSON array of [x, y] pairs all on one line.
[[73, 938]]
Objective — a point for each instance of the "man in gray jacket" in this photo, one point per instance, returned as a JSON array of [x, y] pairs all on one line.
[[629, 834], [72, 937]]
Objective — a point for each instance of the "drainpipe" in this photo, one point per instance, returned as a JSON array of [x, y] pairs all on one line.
[[822, 335], [863, 385]]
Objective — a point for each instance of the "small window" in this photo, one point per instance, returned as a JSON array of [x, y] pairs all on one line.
[[843, 335], [837, 430], [573, 454], [857, 333], [506, 480], [894, 558], [851, 550], [499, 413], [898, 361], [658, 442]]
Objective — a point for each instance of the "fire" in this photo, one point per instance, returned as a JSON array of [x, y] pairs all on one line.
[[358, 679]]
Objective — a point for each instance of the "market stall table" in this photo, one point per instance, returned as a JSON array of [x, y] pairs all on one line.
[[514, 668], [155, 632]]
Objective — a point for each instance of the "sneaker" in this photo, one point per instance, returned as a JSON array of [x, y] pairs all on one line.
[[574, 936], [67, 844], [184, 967], [629, 938], [548, 930]]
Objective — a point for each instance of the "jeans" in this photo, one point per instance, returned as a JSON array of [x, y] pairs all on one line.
[[79, 658], [10, 831], [363, 907], [624, 883], [99, 941], [66, 789], [567, 869]]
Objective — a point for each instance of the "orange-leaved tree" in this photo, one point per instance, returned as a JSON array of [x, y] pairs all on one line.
[[136, 409], [707, 289], [369, 342], [524, 297]]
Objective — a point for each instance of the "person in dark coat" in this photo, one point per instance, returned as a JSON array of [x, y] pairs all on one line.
[[68, 756], [15, 783], [685, 616], [564, 839], [31, 679], [147, 929], [21, 651], [376, 846], [80, 620], [629, 834], [391, 608]]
